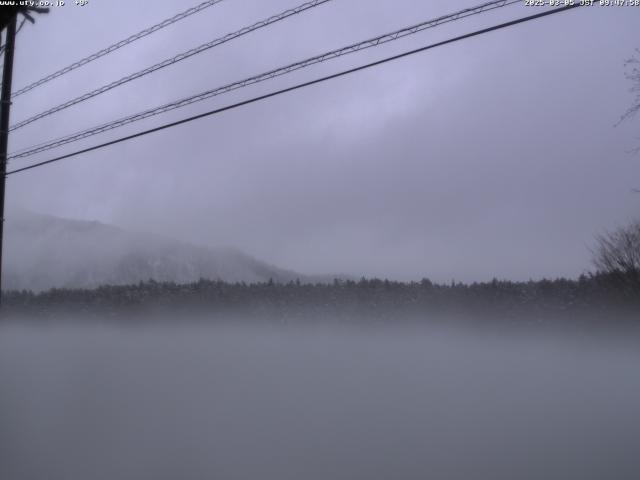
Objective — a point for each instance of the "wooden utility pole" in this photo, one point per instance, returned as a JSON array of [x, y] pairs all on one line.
[[5, 107]]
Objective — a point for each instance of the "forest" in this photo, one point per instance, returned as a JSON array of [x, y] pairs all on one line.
[[590, 298]]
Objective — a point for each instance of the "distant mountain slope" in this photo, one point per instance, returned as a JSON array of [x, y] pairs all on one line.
[[42, 251]]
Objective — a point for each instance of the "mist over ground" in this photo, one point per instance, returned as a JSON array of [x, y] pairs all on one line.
[[108, 402]]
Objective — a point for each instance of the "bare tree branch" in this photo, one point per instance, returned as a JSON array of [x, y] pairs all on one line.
[[632, 73], [618, 251]]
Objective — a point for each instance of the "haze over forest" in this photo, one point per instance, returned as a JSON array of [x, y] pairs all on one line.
[[46, 252]]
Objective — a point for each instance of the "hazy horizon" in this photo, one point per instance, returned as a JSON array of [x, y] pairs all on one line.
[[26, 252]]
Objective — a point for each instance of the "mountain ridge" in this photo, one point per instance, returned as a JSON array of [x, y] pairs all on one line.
[[44, 251]]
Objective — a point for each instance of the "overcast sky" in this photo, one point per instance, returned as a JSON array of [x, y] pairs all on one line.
[[495, 156]]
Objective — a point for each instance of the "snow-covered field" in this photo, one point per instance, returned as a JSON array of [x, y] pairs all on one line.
[[107, 403]]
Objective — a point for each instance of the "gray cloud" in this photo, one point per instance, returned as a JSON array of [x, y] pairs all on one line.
[[496, 156]]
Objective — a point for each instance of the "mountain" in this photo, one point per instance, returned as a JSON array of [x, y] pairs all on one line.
[[42, 251]]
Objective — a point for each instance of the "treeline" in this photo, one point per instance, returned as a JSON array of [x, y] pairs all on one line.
[[595, 296]]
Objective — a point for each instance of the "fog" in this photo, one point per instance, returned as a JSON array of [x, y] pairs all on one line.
[[104, 402]]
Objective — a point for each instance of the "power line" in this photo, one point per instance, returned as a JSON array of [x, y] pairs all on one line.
[[298, 86], [170, 61], [118, 45], [372, 42]]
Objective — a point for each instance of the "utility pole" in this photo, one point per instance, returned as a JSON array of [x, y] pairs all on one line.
[[5, 107]]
